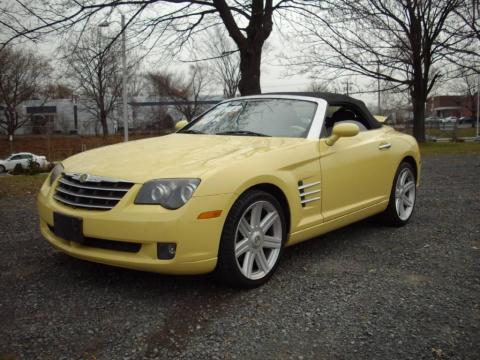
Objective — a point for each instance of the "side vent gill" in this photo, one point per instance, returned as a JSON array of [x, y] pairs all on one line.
[[307, 192]]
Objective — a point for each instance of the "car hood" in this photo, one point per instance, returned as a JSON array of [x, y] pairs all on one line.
[[172, 156]]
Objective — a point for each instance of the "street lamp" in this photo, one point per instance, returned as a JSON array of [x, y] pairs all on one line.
[[124, 74], [478, 106]]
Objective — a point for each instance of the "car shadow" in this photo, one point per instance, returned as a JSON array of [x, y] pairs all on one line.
[[187, 304], [336, 239], [104, 275]]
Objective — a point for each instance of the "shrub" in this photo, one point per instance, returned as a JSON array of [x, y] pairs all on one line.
[[17, 170], [49, 167], [33, 168]]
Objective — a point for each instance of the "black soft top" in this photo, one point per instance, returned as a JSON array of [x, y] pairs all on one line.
[[334, 99]]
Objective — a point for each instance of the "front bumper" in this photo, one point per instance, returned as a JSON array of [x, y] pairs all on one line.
[[197, 241]]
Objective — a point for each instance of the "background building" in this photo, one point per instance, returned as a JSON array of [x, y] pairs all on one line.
[[447, 105]]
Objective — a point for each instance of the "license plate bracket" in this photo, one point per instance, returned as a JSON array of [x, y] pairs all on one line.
[[68, 227]]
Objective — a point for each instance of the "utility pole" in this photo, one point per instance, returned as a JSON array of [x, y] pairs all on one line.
[[478, 103], [378, 88], [124, 80]]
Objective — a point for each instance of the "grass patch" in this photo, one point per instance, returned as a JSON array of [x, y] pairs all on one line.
[[441, 133], [20, 185], [461, 132], [450, 148]]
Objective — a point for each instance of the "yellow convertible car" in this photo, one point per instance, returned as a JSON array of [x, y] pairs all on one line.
[[231, 189]]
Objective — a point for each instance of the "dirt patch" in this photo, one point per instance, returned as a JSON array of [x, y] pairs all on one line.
[[59, 147], [415, 279], [21, 185]]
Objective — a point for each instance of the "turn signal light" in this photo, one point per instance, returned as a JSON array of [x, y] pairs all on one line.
[[210, 214]]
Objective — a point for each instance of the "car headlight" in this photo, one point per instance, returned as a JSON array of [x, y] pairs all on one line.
[[56, 172], [169, 193]]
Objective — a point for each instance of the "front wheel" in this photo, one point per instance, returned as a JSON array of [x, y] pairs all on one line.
[[2, 169], [252, 240], [402, 196]]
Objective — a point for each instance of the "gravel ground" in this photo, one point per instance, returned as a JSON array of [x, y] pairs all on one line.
[[363, 292]]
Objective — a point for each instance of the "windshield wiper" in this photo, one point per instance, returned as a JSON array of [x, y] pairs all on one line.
[[241, 132], [191, 131]]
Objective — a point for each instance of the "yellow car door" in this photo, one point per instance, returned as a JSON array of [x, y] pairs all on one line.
[[356, 173]]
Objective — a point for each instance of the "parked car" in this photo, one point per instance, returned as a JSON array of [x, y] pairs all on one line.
[[24, 159], [431, 120], [466, 120], [449, 120], [229, 191]]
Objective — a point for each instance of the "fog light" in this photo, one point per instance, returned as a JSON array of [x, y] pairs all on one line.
[[166, 251]]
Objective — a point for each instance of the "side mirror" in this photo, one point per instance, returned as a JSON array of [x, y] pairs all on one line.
[[181, 124], [342, 130], [381, 119]]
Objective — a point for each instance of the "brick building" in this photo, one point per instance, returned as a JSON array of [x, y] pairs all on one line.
[[450, 105]]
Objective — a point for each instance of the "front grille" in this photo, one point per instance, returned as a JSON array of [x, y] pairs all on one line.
[[90, 192]]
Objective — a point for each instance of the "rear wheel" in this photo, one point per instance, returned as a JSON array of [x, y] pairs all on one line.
[[402, 196], [252, 240]]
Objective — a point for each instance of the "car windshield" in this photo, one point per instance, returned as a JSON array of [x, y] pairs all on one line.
[[257, 117]]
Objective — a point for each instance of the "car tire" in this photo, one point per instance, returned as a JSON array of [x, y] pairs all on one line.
[[2, 169], [402, 197], [250, 252]]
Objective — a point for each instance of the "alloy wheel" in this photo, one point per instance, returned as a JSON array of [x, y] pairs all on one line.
[[258, 240], [405, 194]]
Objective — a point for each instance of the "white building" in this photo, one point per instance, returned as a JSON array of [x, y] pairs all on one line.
[[67, 116]]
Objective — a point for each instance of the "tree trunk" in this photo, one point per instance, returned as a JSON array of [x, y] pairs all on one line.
[[103, 122], [10, 115], [250, 60], [418, 95], [420, 77], [418, 118]]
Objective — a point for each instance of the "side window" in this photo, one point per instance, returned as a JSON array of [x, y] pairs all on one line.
[[343, 114], [16, 157]]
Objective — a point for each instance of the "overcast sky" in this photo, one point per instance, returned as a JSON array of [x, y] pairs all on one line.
[[275, 75]]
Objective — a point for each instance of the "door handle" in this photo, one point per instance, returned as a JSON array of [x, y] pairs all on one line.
[[384, 146]]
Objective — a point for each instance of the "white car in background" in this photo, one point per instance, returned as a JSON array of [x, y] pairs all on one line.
[[449, 120], [23, 159]]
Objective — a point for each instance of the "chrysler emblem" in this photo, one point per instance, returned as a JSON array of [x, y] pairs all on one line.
[[83, 178]]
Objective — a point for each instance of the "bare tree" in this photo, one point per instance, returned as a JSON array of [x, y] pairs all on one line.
[[400, 42], [185, 91], [136, 83], [466, 85], [318, 87], [23, 76], [465, 51], [469, 12], [58, 91], [157, 118], [224, 60], [171, 22], [96, 72]]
